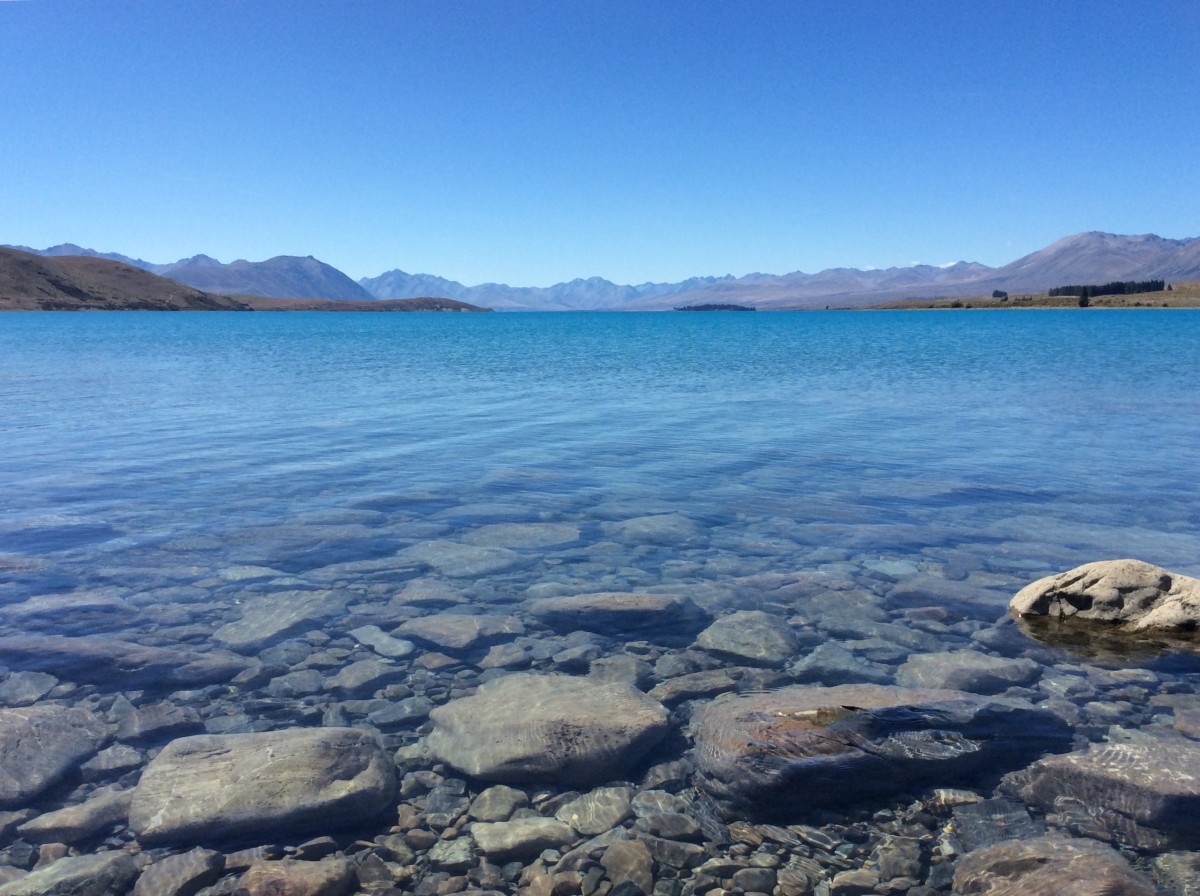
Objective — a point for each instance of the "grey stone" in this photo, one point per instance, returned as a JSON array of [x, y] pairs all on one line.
[[521, 838], [158, 721], [301, 683], [460, 561], [26, 688], [457, 855], [524, 727], [751, 636], [831, 664], [597, 811], [267, 618], [184, 874], [497, 803], [215, 786], [694, 685], [364, 676], [381, 642], [626, 613], [457, 632], [97, 874], [113, 663], [41, 744], [1143, 791], [967, 670], [102, 810], [1048, 867]]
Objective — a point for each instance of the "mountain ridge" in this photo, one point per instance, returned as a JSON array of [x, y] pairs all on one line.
[[1088, 257]]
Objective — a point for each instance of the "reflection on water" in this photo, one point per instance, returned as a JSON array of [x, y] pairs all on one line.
[[304, 517]]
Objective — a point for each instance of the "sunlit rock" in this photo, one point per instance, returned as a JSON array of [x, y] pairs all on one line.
[[526, 727], [211, 787]]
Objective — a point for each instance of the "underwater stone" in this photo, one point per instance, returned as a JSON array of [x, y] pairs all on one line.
[[967, 670], [1143, 791], [41, 744], [617, 612], [99, 874], [1048, 867], [211, 787], [751, 636], [529, 727], [807, 746]]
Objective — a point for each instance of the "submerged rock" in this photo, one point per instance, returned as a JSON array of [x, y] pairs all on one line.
[[967, 670], [457, 632], [213, 787], [611, 613], [1048, 867], [289, 877], [98, 874], [115, 663], [268, 618], [41, 744], [1129, 594], [751, 636], [803, 746], [1144, 791], [528, 727]]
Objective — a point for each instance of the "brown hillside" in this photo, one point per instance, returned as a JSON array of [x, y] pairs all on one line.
[[31, 282]]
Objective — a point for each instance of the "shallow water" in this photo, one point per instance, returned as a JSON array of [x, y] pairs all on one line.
[[188, 465]]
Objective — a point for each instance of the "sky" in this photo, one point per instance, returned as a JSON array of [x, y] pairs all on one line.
[[534, 142]]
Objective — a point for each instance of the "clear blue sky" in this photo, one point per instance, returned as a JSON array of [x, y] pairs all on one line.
[[531, 142]]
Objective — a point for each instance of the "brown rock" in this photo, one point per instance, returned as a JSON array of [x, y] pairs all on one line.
[[213, 787], [288, 877], [1048, 867]]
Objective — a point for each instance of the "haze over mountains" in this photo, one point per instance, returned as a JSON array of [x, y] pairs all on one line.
[[1091, 257]]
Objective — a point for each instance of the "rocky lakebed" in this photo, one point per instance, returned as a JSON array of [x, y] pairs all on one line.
[[408, 725]]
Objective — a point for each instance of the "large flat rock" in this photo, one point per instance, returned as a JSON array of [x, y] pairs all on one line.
[[527, 727], [214, 787], [98, 874], [41, 744], [1130, 595], [802, 746], [268, 618], [458, 632], [617, 612], [1048, 866], [110, 662], [1143, 791]]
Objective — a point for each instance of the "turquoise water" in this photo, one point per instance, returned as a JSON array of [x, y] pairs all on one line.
[[266, 521], [1014, 443]]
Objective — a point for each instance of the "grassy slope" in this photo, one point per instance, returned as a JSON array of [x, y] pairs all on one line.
[[1181, 295]]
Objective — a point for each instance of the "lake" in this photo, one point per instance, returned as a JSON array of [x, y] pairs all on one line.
[[165, 474]]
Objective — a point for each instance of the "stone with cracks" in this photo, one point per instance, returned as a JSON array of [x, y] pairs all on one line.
[[41, 744], [1142, 790], [529, 727], [805, 746], [1130, 595], [214, 787]]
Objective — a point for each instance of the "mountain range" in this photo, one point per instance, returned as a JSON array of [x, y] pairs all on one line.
[[1091, 257]]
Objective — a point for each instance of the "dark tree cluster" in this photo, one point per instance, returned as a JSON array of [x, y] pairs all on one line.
[[1115, 288]]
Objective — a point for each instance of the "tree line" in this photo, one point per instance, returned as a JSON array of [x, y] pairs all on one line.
[[1115, 288]]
